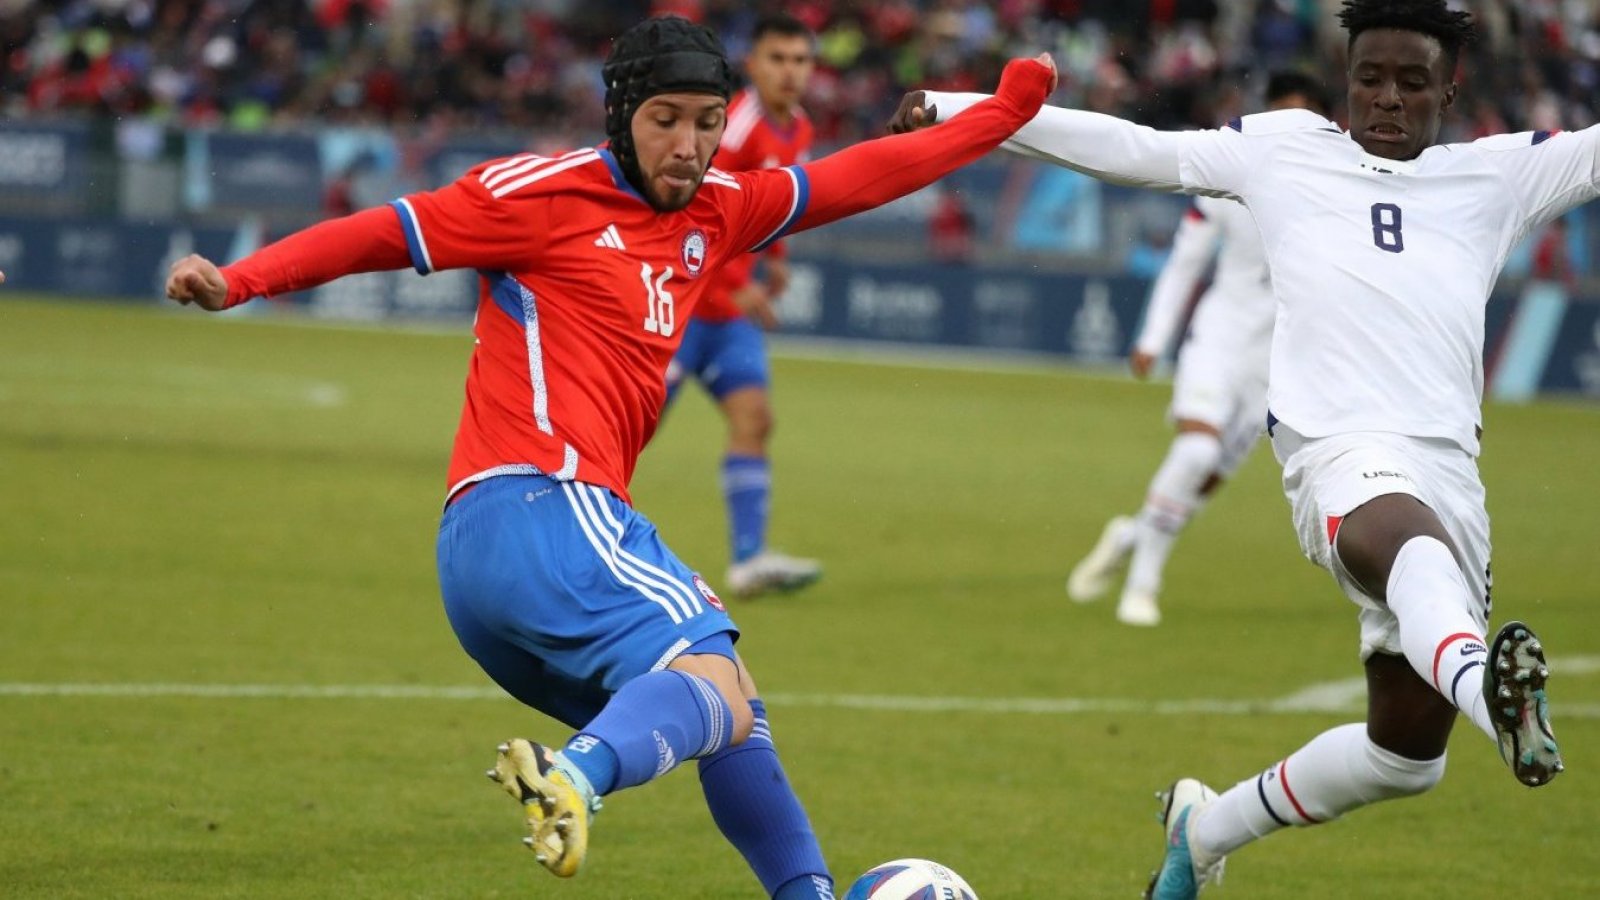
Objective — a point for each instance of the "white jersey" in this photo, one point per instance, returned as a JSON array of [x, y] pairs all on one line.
[[1381, 268], [1235, 313]]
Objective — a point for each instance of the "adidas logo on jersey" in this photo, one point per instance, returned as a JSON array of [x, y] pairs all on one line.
[[610, 238]]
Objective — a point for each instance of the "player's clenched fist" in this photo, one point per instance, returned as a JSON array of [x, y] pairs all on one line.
[[1026, 83], [195, 279]]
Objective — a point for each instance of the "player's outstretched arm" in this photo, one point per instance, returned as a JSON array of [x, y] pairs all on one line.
[[872, 173], [368, 241], [1102, 146]]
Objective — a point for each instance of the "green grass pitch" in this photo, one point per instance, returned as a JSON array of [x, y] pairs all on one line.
[[198, 503]]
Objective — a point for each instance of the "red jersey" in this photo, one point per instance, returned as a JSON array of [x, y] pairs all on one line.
[[751, 141], [584, 292], [585, 285]]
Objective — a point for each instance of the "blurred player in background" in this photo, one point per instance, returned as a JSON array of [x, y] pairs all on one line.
[[1219, 391], [553, 583], [1383, 248], [723, 347]]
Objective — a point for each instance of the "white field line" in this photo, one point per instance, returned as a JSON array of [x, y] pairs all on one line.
[[1333, 697]]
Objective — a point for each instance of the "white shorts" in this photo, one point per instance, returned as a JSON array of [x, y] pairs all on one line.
[[1328, 478], [1214, 385]]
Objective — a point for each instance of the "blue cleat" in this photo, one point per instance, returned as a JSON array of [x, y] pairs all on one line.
[[1185, 869], [1513, 688]]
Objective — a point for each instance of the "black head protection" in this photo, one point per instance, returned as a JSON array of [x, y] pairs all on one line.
[[658, 56]]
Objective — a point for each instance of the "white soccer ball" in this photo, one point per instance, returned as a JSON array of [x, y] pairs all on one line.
[[910, 879]]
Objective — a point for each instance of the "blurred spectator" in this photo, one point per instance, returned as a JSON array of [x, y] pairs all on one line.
[[951, 228], [1552, 259], [533, 65]]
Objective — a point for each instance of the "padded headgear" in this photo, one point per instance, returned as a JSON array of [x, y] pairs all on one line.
[[658, 56]]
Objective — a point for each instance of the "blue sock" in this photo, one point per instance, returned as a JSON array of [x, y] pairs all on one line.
[[746, 484], [757, 811], [655, 722]]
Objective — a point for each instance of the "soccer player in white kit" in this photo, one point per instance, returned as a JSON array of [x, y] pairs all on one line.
[[1219, 390], [1383, 248]]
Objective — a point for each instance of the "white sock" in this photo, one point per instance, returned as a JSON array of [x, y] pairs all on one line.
[[1439, 635], [1340, 770], [1174, 497]]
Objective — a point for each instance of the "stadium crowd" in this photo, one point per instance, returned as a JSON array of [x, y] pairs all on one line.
[[444, 65]]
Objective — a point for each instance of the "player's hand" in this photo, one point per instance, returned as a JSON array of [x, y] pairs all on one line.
[[756, 303], [2, 278], [777, 277], [195, 279], [1142, 364], [913, 113], [1027, 83]]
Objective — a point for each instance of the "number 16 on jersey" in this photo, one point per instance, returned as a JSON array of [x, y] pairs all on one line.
[[659, 317]]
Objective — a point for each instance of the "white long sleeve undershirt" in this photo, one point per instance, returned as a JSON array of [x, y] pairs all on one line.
[[1102, 146]]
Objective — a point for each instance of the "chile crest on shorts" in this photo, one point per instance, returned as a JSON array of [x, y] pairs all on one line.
[[708, 593], [693, 252]]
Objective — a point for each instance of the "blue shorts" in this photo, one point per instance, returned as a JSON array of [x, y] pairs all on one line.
[[563, 593], [723, 356]]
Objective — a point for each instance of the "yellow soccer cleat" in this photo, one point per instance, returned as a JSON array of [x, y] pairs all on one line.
[[558, 808]]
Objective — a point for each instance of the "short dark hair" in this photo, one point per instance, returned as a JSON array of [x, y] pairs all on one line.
[[780, 24], [1289, 82], [1453, 30]]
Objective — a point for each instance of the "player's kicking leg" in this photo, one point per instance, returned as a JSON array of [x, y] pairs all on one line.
[[568, 599], [1399, 543], [756, 809], [1422, 622]]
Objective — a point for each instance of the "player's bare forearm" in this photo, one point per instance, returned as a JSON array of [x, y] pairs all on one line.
[[873, 173], [367, 241]]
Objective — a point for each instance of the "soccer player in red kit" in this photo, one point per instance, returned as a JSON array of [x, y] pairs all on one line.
[[590, 263], [723, 347]]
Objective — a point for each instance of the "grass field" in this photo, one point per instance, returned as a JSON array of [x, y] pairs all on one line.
[[193, 505]]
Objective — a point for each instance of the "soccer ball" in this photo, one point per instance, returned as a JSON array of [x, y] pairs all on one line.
[[910, 879]]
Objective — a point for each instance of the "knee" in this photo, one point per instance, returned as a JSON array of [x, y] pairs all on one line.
[[1401, 776], [1200, 452], [752, 423], [742, 719]]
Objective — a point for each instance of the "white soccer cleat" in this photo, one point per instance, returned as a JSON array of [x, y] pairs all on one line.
[[1185, 868], [1092, 576], [1139, 608], [770, 571]]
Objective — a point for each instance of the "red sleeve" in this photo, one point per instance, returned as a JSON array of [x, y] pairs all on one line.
[[872, 173], [368, 241], [493, 217]]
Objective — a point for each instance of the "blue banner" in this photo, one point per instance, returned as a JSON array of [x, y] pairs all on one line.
[[100, 258], [1574, 364], [254, 173], [1086, 318], [43, 161], [1535, 340]]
